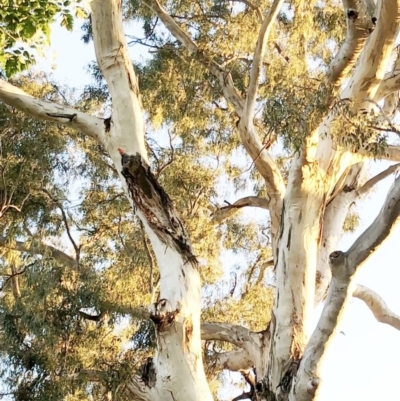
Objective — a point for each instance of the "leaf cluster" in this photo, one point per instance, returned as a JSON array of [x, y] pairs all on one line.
[[25, 27]]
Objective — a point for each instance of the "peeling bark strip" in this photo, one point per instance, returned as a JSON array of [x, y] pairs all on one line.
[[158, 208]]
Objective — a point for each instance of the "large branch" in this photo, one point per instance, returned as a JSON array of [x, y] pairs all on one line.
[[359, 24], [115, 64], [237, 335], [344, 266], [389, 85], [335, 214], [334, 217], [44, 110], [378, 231], [375, 57], [304, 207], [37, 248], [254, 347], [232, 360], [391, 81], [262, 40], [336, 211], [377, 305], [300, 236], [377, 178], [224, 212], [390, 152]]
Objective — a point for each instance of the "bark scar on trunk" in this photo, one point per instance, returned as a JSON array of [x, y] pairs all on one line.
[[148, 373], [161, 317], [287, 379], [107, 124]]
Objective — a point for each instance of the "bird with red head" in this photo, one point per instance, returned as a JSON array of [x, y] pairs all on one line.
[[124, 156]]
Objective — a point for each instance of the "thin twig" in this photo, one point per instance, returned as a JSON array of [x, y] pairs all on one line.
[[65, 220], [11, 276]]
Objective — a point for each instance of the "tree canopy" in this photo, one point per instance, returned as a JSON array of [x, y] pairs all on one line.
[[268, 105]]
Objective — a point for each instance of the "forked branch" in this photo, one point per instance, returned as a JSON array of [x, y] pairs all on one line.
[[359, 26], [378, 231], [254, 347], [343, 266]]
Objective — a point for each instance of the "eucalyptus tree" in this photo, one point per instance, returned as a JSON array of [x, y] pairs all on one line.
[[309, 91]]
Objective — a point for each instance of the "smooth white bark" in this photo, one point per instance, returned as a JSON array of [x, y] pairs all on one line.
[[359, 26], [127, 126], [344, 265], [335, 214], [391, 81], [312, 178], [377, 305], [262, 40], [178, 357], [314, 208], [15, 97], [375, 57], [376, 179]]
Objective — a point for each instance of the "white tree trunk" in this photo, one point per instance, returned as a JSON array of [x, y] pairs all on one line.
[[177, 365]]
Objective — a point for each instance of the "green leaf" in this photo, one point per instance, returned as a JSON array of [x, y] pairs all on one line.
[[80, 13], [28, 30], [20, 21], [67, 21]]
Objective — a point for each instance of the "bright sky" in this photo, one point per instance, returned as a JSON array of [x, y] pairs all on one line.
[[364, 362]]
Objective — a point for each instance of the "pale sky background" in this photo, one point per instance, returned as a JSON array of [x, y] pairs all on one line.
[[364, 362]]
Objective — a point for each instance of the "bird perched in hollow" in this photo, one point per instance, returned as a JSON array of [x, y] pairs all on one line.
[[124, 156]]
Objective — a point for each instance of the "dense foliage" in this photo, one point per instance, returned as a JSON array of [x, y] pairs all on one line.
[[25, 29]]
